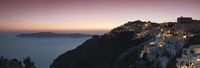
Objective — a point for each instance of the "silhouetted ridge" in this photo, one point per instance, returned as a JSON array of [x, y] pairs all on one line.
[[51, 34]]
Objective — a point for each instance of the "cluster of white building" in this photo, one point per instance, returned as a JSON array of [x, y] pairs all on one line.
[[161, 50], [170, 41], [190, 57]]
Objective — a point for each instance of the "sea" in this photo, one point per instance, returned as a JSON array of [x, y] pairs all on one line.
[[42, 51]]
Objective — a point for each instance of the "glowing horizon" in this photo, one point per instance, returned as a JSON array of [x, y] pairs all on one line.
[[72, 15]]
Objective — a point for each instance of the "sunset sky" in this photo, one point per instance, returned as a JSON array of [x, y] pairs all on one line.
[[28, 15]]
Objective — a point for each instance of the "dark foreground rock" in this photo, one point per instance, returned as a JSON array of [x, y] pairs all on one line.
[[14, 63]]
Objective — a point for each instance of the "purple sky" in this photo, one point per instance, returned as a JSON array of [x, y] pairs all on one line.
[[90, 14]]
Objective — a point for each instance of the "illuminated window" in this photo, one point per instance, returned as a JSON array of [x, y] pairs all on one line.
[[198, 59], [184, 37], [146, 25], [176, 32]]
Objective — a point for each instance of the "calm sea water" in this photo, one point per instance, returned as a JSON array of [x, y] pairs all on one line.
[[41, 50]]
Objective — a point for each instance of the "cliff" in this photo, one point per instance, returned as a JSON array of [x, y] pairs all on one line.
[[103, 51]]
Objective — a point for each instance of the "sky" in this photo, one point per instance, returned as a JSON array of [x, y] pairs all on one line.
[[69, 15]]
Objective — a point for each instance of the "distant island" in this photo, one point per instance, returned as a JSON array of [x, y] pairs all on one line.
[[51, 34]]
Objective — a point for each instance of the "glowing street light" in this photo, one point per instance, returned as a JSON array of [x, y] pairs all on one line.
[[161, 29], [192, 35]]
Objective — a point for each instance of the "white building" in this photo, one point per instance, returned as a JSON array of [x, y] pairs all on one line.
[[190, 57]]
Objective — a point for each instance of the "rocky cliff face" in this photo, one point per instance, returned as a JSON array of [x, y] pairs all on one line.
[[106, 51]]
